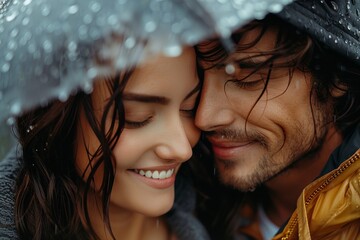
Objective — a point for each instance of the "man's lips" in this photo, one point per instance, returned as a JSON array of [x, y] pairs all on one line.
[[224, 148]]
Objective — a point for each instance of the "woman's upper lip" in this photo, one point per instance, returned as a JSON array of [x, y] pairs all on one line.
[[160, 167]]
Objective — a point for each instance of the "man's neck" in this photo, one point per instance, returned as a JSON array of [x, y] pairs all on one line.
[[284, 190]]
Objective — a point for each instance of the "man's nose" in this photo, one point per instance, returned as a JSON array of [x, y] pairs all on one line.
[[214, 110]]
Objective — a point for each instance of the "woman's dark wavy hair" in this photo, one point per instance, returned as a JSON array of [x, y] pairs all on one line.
[[329, 70], [51, 197]]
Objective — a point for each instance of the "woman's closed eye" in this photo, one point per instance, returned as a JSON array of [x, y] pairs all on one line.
[[131, 124]]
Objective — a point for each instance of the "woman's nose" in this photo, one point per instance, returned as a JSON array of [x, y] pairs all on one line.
[[174, 142]]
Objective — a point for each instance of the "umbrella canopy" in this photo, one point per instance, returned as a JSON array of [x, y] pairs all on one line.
[[51, 48]]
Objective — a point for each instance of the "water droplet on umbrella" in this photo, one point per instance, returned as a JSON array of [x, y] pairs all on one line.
[[63, 96], [45, 11], [95, 6], [150, 26], [334, 5], [92, 73], [10, 121], [27, 2], [173, 51], [130, 42], [25, 21], [15, 108], [14, 32], [358, 12], [47, 45], [9, 56], [5, 67], [73, 9], [12, 45], [12, 16]]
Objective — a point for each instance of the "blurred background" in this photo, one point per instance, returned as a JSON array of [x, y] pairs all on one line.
[[7, 139]]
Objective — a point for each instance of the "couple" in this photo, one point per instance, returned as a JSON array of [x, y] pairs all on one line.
[[280, 115]]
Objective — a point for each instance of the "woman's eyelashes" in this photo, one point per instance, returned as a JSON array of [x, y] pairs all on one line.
[[131, 124]]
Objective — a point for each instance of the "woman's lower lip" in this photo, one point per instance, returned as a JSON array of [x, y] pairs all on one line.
[[155, 183]]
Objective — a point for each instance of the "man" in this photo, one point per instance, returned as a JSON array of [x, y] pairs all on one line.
[[282, 118]]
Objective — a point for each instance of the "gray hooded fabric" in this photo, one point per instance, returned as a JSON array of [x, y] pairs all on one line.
[[336, 23], [180, 218]]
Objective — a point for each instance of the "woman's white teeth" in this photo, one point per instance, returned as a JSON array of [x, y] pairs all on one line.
[[156, 174]]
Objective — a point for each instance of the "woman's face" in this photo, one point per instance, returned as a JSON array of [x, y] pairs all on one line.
[[159, 133]]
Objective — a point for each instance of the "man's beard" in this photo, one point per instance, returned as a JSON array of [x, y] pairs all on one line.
[[269, 166]]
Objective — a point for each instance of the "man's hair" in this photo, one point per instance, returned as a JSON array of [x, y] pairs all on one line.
[[329, 71]]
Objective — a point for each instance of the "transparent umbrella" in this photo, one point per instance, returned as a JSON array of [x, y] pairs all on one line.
[[48, 47]]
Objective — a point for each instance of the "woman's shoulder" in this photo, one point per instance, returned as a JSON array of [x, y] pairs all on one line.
[[9, 168]]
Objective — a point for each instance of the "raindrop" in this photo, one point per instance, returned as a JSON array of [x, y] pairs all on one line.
[[12, 16], [12, 45], [87, 87], [72, 46], [73, 9], [14, 32], [63, 96], [336, 41], [10, 121], [15, 109], [92, 73], [45, 11], [130, 42], [5, 67], [358, 12], [150, 26], [173, 51], [9, 56], [330, 36], [25, 21], [47, 45], [112, 19], [27, 2], [87, 19], [95, 6], [230, 68], [349, 26], [334, 5]]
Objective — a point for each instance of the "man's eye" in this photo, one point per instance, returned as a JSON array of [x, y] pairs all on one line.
[[247, 84], [135, 124]]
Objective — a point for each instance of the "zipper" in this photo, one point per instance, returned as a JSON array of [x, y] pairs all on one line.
[[347, 164]]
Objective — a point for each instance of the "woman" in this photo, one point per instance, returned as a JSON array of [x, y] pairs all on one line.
[[103, 165]]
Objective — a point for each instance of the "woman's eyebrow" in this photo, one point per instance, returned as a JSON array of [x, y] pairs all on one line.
[[145, 98]]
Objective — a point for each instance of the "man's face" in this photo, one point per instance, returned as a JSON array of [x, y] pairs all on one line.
[[257, 134]]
